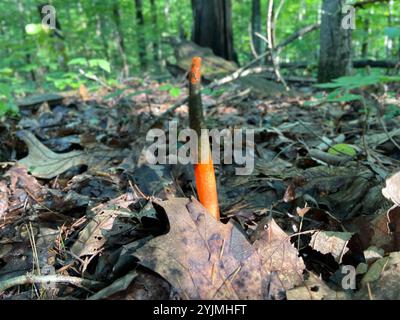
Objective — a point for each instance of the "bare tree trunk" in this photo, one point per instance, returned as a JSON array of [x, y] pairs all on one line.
[[99, 8], [389, 40], [140, 34], [335, 43], [120, 39], [156, 39], [21, 10], [213, 27], [365, 43], [256, 26]]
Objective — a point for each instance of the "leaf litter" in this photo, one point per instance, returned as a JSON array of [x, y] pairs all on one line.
[[77, 201]]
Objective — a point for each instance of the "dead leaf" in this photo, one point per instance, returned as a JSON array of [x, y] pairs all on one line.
[[377, 139], [20, 179], [117, 286], [205, 259], [315, 289], [392, 189], [91, 239], [331, 242], [290, 193], [145, 286], [3, 199], [84, 92], [44, 163], [279, 255], [382, 281]]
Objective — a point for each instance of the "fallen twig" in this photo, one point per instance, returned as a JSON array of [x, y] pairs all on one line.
[[32, 279]]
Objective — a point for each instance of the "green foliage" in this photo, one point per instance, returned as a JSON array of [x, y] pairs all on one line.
[[33, 56], [341, 87], [392, 32], [7, 101], [343, 149]]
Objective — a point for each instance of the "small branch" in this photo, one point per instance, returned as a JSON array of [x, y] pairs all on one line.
[[331, 159], [31, 279], [274, 54], [298, 34], [94, 78]]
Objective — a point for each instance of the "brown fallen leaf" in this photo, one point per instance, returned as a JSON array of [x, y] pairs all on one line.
[[21, 180], [331, 242], [392, 189], [83, 92], [91, 239], [205, 259], [44, 163], [381, 282], [374, 230], [315, 289], [279, 255]]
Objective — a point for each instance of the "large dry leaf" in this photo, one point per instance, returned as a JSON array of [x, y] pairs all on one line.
[[44, 163], [331, 242], [205, 259]]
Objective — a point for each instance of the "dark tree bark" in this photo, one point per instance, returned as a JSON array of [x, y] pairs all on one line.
[[335, 43], [156, 39], [120, 38], [365, 43], [213, 27], [140, 34], [21, 10], [256, 25], [99, 8]]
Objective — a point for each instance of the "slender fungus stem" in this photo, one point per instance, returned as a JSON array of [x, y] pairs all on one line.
[[204, 169]]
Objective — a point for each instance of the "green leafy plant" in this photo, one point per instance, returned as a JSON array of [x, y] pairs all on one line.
[[341, 88], [343, 149]]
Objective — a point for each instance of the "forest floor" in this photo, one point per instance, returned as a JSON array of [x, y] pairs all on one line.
[[83, 216]]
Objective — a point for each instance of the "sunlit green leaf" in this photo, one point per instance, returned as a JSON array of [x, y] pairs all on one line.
[[343, 149]]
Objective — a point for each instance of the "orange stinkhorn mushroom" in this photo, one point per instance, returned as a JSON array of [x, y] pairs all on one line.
[[204, 169]]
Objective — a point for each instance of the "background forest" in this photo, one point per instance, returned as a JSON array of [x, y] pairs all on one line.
[[312, 86], [118, 39]]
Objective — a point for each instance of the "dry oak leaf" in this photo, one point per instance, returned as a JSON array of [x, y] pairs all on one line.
[[205, 259], [392, 189], [44, 163], [92, 238]]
